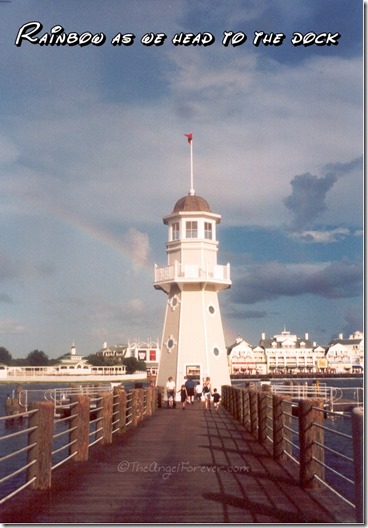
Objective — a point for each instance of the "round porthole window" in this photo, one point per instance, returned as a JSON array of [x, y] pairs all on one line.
[[173, 302], [211, 309], [216, 352], [170, 343]]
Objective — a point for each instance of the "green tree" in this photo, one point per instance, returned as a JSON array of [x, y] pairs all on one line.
[[5, 356], [37, 358], [132, 364], [96, 361]]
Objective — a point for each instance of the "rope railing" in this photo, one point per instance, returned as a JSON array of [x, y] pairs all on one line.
[[56, 431]]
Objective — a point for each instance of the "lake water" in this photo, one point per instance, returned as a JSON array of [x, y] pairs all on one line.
[[340, 423]]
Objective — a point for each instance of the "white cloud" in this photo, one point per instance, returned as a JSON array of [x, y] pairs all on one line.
[[323, 236], [137, 245], [11, 327]]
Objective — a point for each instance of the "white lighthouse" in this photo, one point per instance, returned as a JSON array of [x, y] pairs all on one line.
[[193, 338]]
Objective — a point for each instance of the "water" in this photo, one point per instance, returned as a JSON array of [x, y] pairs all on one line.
[[339, 423], [11, 426]]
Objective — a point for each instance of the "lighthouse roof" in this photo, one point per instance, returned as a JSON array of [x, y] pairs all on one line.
[[191, 202]]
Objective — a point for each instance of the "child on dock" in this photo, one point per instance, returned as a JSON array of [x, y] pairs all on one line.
[[216, 399]]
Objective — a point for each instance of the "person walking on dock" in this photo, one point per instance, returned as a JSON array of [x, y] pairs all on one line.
[[190, 386], [207, 393], [183, 396], [198, 391], [170, 391], [216, 399]]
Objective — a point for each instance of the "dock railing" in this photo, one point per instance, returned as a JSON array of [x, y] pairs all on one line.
[[52, 432], [297, 430]]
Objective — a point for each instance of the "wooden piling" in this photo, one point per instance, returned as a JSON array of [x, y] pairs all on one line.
[[42, 436], [246, 409], [135, 407], [253, 406], [262, 417], [309, 433], [121, 409], [107, 409], [279, 431], [79, 425], [357, 417]]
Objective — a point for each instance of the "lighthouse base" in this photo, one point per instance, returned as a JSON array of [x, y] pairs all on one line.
[[193, 341]]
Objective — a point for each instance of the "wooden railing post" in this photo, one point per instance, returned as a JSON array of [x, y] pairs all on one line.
[[43, 420], [246, 410], [225, 396], [107, 403], [239, 405], [282, 424], [262, 417], [357, 417], [141, 396], [79, 421], [231, 401], [253, 408], [121, 409], [308, 435], [135, 407], [149, 398], [160, 396], [104, 414]]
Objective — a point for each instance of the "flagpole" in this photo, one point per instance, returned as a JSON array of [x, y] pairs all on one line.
[[192, 191]]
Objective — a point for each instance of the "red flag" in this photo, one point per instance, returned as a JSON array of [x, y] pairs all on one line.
[[190, 137]]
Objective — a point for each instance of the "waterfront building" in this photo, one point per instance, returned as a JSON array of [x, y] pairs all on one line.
[[245, 359], [116, 351], [288, 353], [192, 340], [148, 351], [346, 355], [73, 362]]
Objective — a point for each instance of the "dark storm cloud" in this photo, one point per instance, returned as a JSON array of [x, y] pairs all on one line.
[[307, 200], [265, 282], [306, 203], [5, 298], [246, 314]]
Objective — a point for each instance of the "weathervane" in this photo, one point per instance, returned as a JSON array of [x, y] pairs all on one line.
[[190, 141]]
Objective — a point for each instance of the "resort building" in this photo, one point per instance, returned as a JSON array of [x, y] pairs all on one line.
[[148, 351], [288, 353], [116, 351], [346, 355], [245, 359]]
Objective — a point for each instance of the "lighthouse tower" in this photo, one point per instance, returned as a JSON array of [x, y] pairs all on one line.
[[193, 339]]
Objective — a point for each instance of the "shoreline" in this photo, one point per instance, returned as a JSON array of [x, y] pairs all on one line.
[[301, 375], [72, 379]]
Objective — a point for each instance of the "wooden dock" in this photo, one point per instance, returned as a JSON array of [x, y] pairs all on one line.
[[178, 466]]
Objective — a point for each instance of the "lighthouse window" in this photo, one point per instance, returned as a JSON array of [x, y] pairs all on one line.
[[216, 351], [191, 229], [208, 230], [211, 309], [175, 231]]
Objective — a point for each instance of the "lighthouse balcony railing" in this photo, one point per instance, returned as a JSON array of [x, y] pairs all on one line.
[[188, 272]]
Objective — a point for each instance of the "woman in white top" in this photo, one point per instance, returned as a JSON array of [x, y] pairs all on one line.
[[207, 390]]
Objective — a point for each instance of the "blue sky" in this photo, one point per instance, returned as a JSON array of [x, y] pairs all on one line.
[[93, 155]]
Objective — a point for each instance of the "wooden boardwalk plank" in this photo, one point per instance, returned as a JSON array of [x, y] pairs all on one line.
[[177, 466]]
